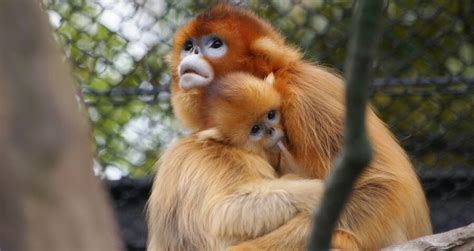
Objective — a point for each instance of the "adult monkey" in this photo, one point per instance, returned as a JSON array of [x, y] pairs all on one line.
[[387, 205]]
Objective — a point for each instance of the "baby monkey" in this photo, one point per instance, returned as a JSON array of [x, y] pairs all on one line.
[[218, 187], [245, 114]]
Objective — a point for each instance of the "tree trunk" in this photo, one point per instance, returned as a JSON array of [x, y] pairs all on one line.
[[49, 196]]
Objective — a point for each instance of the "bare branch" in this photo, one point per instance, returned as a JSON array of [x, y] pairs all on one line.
[[357, 151], [457, 239]]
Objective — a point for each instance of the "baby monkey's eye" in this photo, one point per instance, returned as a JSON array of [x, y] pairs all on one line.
[[255, 129], [217, 43], [271, 115], [188, 45]]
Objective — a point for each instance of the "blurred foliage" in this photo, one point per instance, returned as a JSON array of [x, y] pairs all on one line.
[[424, 69]]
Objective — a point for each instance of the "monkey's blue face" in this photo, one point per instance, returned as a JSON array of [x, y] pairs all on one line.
[[194, 69], [267, 131], [211, 46]]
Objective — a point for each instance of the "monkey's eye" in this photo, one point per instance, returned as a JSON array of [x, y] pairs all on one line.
[[188, 45], [255, 130], [217, 44], [271, 115]]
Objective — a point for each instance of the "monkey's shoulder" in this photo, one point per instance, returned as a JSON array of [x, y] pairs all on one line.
[[194, 155]]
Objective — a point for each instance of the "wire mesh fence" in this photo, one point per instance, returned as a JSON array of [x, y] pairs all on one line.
[[424, 88]]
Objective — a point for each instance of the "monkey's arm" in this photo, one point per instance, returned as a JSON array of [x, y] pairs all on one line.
[[262, 206], [293, 235], [369, 216]]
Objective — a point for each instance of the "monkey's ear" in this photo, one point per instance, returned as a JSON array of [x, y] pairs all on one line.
[[278, 54], [213, 134], [270, 79]]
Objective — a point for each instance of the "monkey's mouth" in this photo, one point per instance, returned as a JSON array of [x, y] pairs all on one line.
[[277, 138], [194, 74], [190, 71], [274, 146]]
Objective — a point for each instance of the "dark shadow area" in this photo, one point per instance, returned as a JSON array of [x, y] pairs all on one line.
[[450, 195]]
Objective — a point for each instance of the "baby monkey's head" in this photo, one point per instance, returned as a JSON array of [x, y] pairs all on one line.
[[244, 113]]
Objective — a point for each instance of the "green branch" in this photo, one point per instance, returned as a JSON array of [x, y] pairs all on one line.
[[357, 151]]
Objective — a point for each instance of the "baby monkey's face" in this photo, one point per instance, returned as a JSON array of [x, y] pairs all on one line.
[[267, 132], [264, 136], [245, 111]]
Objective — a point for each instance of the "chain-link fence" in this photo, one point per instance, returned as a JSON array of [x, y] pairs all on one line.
[[424, 88]]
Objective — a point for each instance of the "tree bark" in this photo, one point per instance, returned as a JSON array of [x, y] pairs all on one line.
[[49, 196], [459, 239]]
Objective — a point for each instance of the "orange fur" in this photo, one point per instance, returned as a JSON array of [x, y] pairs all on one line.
[[216, 188], [387, 205], [188, 106], [237, 103]]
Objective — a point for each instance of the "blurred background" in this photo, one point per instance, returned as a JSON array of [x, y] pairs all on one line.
[[423, 88]]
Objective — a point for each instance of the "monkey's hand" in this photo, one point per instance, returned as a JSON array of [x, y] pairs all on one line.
[[259, 207], [288, 163], [307, 199], [278, 54]]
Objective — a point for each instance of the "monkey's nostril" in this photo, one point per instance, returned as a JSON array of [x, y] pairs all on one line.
[[196, 50], [270, 131]]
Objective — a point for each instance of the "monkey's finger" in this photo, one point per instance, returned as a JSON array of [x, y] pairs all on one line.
[[284, 150], [288, 159]]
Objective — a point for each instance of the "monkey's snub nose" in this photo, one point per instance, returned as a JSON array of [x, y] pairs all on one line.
[[194, 71], [270, 131]]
